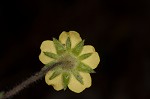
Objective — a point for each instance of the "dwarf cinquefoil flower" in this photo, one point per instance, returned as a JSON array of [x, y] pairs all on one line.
[[78, 62]]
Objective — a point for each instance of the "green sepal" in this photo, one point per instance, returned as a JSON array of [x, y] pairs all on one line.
[[1, 95], [55, 74], [59, 47], [78, 48], [84, 56], [78, 76], [51, 55], [50, 63], [84, 68], [53, 65], [65, 78], [68, 44]]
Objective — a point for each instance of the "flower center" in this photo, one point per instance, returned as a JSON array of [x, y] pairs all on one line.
[[69, 61]]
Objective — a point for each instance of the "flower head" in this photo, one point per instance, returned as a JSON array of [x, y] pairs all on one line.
[[79, 61]]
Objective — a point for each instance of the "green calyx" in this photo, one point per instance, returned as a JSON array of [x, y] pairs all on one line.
[[59, 46], [84, 56], [84, 68], [65, 78], [78, 48], [51, 55], [68, 44], [70, 59], [78, 76], [55, 74]]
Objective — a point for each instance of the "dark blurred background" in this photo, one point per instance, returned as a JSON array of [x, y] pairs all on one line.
[[118, 29]]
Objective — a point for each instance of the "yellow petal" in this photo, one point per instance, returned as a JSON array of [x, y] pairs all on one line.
[[56, 82], [44, 59], [87, 49], [74, 38], [63, 37], [93, 60], [76, 86], [48, 46]]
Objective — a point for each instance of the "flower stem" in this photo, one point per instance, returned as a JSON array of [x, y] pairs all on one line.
[[29, 81]]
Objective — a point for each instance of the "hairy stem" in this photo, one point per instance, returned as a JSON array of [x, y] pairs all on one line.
[[29, 81]]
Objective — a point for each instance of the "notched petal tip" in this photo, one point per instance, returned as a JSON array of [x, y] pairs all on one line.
[[73, 35], [63, 37], [75, 38]]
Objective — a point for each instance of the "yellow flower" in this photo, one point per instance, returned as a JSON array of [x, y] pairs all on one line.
[[79, 62]]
